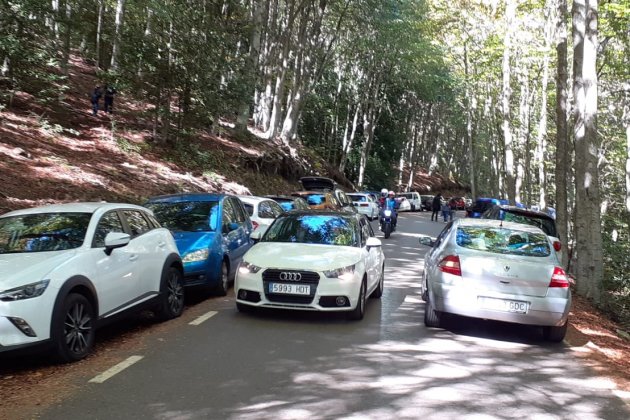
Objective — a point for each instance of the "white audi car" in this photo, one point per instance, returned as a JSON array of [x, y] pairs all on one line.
[[65, 269], [313, 260]]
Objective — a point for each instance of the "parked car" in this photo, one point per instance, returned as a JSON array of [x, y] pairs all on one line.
[[212, 235], [403, 204], [414, 200], [365, 204], [319, 200], [427, 202], [318, 261], [480, 206], [289, 203], [497, 270], [530, 217], [320, 183], [262, 211], [66, 269], [457, 203]]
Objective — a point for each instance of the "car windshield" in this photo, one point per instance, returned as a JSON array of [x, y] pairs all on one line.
[[501, 240], [357, 197], [314, 229], [547, 225], [43, 232], [188, 216], [315, 199]]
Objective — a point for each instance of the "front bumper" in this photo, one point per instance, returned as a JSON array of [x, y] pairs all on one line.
[[326, 290], [36, 312], [542, 311]]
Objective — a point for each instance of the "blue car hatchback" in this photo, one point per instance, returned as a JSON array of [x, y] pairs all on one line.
[[212, 235]]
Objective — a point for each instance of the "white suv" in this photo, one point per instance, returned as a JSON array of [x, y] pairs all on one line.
[[65, 269]]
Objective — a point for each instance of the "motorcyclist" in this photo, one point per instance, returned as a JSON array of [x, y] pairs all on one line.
[[390, 203], [381, 200]]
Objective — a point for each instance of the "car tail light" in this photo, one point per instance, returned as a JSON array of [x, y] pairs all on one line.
[[255, 224], [365, 205], [557, 245], [559, 278], [450, 264]]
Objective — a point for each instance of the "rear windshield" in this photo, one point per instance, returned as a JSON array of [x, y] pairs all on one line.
[[315, 199], [547, 225], [500, 240], [249, 208], [356, 197]]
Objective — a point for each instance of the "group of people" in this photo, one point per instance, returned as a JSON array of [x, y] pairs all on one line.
[[107, 92], [439, 204]]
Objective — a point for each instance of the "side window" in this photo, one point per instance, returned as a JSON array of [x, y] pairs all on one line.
[[228, 214], [264, 210], [152, 220], [110, 222], [365, 233], [239, 210], [334, 201], [443, 234], [137, 223], [276, 209]]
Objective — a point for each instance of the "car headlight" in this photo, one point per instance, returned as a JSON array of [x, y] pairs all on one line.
[[198, 255], [344, 273], [24, 292], [246, 268]]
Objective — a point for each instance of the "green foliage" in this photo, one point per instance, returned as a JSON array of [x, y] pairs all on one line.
[[616, 242]]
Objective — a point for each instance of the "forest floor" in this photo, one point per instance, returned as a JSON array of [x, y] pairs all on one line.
[[57, 153]]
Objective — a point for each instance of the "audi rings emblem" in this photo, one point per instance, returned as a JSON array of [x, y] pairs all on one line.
[[288, 276]]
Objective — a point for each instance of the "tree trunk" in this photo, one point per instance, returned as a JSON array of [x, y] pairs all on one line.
[[626, 121], [470, 106], [589, 261], [99, 30], [562, 136], [120, 6], [67, 33], [510, 13], [348, 145], [251, 67]]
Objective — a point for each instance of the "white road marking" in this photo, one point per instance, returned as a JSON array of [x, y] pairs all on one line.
[[412, 299], [203, 318], [99, 379]]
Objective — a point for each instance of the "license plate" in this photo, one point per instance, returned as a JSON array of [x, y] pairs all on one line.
[[290, 289], [504, 305]]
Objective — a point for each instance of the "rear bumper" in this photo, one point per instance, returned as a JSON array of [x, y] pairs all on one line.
[[542, 311]]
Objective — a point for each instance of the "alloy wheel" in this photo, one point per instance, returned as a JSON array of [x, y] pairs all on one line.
[[175, 293], [77, 328]]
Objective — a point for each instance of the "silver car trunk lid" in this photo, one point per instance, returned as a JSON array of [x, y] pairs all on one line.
[[507, 274]]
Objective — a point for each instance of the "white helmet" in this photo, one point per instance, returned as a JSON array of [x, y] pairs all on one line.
[[384, 192]]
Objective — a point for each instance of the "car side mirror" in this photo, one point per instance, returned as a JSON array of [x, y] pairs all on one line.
[[115, 240], [255, 236], [373, 243], [427, 241]]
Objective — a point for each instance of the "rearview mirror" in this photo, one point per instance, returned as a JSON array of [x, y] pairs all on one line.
[[115, 240], [255, 236], [427, 241], [373, 243]]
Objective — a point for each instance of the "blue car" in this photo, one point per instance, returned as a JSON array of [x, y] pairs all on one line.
[[482, 204], [212, 235]]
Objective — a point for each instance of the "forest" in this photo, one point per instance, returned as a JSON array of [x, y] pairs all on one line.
[[523, 99]]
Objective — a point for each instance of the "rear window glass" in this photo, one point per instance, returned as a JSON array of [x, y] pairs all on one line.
[[547, 225], [249, 208], [356, 197], [315, 199], [503, 241]]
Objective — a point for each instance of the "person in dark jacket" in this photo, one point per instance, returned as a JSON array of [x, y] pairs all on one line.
[[436, 206], [109, 98], [95, 98]]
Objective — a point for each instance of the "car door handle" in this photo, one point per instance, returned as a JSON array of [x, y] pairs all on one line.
[[133, 258]]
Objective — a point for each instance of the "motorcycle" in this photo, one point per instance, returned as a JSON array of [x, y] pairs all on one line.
[[386, 223]]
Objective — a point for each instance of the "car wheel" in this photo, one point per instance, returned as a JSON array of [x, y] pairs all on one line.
[[378, 292], [224, 284], [432, 318], [555, 334], [172, 295], [359, 311], [73, 328]]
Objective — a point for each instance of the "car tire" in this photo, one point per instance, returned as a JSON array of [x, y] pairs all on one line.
[[387, 230], [224, 282], [555, 334], [359, 311], [171, 295], [378, 292], [432, 318], [73, 328]]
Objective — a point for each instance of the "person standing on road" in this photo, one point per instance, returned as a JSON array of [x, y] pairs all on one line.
[[95, 98], [109, 98], [435, 206], [446, 212]]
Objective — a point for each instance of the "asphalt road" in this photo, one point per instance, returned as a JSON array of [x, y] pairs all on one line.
[[288, 365]]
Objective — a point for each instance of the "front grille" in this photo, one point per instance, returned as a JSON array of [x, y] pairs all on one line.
[[307, 277]]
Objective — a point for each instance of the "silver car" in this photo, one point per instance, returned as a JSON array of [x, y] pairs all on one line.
[[491, 269]]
